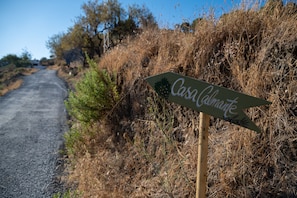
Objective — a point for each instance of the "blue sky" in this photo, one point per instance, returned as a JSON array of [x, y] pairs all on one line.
[[26, 25]]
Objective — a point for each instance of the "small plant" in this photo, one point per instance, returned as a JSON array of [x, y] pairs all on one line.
[[95, 94], [72, 140], [67, 194]]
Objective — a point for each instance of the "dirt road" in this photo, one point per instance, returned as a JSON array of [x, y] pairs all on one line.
[[32, 123]]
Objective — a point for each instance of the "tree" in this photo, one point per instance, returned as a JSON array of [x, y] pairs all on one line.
[[87, 34], [54, 44], [26, 56], [142, 16], [10, 59], [185, 27], [23, 61], [123, 29], [95, 95]]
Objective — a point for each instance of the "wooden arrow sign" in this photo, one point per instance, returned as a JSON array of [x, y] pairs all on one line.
[[204, 97]]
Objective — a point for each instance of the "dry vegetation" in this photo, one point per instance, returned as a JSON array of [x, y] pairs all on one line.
[[147, 147], [10, 78]]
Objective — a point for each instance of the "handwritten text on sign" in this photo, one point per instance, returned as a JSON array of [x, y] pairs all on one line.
[[207, 96], [201, 96]]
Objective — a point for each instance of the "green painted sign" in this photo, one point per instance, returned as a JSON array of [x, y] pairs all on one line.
[[214, 100]]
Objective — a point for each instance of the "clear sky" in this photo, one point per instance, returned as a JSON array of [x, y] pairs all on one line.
[[26, 25]]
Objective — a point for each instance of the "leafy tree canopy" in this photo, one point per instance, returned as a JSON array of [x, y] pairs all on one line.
[[87, 34]]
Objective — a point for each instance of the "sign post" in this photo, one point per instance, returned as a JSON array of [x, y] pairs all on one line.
[[202, 156], [208, 99]]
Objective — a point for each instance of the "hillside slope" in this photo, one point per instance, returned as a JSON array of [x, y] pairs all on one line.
[[147, 147]]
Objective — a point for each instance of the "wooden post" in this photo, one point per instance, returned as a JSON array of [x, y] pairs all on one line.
[[202, 156]]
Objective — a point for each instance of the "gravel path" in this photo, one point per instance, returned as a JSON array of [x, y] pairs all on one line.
[[32, 123]]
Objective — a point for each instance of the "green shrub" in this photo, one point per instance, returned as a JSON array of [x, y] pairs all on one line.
[[67, 194], [73, 140], [95, 95]]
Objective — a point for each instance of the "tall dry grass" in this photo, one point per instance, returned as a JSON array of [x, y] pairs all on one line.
[[147, 147]]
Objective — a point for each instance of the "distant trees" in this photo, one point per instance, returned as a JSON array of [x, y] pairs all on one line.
[[87, 34], [19, 61]]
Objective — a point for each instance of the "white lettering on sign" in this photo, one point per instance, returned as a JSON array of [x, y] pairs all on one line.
[[207, 97]]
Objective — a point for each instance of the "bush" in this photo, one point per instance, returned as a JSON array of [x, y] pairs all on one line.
[[68, 194], [95, 95]]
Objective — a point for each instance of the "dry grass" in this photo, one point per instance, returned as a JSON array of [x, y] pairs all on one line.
[[28, 71], [10, 78], [12, 86], [147, 147]]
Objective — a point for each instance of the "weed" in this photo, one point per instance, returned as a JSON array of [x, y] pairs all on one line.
[[68, 194], [95, 94], [73, 139]]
